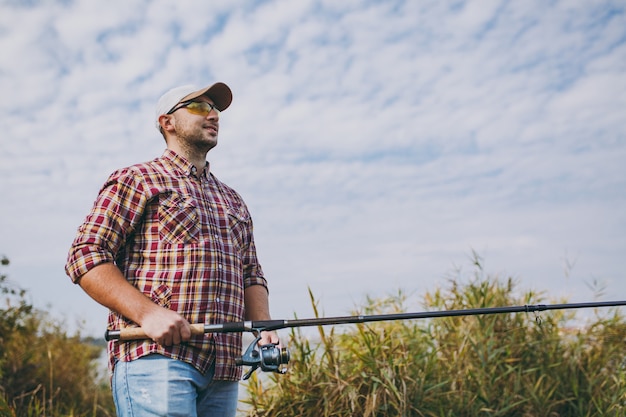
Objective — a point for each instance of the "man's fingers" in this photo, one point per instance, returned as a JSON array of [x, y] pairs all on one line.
[[176, 338], [185, 332], [269, 337], [181, 333], [168, 328]]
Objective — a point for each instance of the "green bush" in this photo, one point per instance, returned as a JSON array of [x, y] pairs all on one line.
[[491, 365], [43, 371]]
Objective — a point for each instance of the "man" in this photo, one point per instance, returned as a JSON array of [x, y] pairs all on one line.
[[167, 244]]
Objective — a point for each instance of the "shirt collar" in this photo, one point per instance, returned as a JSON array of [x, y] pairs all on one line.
[[181, 163]]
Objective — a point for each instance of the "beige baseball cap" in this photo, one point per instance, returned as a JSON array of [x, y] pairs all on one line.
[[219, 92]]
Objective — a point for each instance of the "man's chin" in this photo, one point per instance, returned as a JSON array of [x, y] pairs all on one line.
[[210, 144], [207, 143]]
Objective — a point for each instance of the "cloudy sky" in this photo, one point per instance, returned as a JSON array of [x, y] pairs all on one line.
[[377, 143]]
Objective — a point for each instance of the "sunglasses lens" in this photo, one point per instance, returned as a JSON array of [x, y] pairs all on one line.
[[200, 108]]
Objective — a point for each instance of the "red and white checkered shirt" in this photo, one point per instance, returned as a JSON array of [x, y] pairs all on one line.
[[186, 242]]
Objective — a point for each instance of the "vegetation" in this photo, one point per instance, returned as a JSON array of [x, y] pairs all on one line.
[[43, 371], [495, 365]]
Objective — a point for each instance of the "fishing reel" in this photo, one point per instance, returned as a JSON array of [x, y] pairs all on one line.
[[270, 358]]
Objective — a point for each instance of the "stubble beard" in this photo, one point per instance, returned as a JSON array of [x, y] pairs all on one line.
[[197, 140]]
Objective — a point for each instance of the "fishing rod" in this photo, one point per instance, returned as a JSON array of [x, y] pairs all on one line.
[[271, 358]]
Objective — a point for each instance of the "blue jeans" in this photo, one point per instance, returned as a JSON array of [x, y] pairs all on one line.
[[158, 386]]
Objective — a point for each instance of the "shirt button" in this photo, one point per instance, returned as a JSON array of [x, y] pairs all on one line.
[[217, 300], [219, 266]]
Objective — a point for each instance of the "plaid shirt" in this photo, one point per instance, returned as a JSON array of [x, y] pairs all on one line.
[[184, 241]]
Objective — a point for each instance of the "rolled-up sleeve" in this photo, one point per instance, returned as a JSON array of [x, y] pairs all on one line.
[[113, 217], [252, 272]]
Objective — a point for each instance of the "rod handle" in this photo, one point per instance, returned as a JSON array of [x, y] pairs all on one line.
[[137, 333]]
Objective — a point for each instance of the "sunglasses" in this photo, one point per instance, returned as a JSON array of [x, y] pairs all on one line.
[[200, 108]]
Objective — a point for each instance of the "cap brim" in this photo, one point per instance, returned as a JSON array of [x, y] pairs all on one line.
[[219, 92]]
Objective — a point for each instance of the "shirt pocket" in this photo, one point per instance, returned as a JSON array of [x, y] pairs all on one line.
[[178, 219], [238, 219]]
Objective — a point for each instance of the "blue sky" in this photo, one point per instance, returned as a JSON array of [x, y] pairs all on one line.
[[377, 143]]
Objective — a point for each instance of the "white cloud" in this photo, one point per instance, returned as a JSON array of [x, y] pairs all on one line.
[[375, 143]]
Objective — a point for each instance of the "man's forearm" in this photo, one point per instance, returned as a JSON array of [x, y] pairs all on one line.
[[106, 284], [257, 308], [256, 303]]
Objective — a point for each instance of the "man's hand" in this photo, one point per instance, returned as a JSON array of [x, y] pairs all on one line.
[[166, 327], [106, 284], [269, 337]]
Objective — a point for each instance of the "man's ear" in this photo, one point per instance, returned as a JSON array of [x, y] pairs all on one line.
[[166, 122]]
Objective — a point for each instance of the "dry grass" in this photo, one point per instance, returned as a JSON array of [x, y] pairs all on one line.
[[497, 365], [43, 371]]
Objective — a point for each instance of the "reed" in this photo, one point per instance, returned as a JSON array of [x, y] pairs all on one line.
[[43, 370], [498, 365]]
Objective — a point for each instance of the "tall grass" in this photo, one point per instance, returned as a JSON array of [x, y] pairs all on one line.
[[495, 365], [43, 370]]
